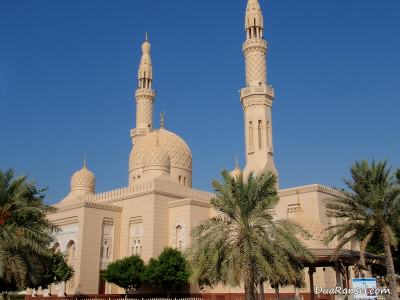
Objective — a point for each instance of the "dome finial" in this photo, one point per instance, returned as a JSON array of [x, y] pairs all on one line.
[[237, 171], [146, 38], [237, 162], [157, 140], [85, 161], [162, 119]]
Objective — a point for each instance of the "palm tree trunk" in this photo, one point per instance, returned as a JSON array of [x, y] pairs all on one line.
[[363, 246], [249, 291], [277, 292], [261, 296], [391, 275]]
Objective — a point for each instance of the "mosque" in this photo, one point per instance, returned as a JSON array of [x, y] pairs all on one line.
[[159, 207]]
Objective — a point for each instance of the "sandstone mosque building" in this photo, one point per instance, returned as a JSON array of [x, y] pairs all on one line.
[[160, 207]]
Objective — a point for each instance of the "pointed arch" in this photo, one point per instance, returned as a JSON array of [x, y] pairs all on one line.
[[260, 134], [251, 146]]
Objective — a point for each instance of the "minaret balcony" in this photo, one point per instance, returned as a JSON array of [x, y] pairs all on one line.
[[263, 89], [257, 95], [255, 43], [145, 93], [140, 131]]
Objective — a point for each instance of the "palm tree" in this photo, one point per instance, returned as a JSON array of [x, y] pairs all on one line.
[[24, 230], [370, 207], [243, 244], [293, 274]]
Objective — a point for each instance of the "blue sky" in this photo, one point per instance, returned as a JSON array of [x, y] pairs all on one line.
[[68, 73]]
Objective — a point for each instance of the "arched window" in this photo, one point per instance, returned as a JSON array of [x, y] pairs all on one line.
[[180, 178], [260, 141], [184, 181], [56, 247], [70, 251], [136, 242], [269, 134], [251, 136], [178, 233], [105, 250]]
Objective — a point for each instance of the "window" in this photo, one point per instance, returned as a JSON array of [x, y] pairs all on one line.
[[136, 239], [106, 250], [136, 248], [250, 136], [260, 134], [56, 247], [269, 134], [70, 252], [178, 234]]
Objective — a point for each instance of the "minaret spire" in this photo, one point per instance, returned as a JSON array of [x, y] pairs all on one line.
[[145, 74], [145, 94], [258, 95], [162, 119], [254, 21]]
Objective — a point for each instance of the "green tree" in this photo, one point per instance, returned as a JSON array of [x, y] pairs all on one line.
[[370, 207], [44, 270], [243, 244], [127, 273], [60, 270], [25, 233], [169, 270]]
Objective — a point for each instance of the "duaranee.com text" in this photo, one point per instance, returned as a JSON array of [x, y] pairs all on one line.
[[350, 291]]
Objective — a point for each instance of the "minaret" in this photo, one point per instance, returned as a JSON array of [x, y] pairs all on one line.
[[144, 95], [257, 96]]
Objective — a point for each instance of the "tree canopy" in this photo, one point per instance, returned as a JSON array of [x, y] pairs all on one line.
[[243, 243], [127, 273], [369, 209], [169, 270], [25, 233]]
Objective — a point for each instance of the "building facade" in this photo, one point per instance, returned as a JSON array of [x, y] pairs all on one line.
[[160, 207]]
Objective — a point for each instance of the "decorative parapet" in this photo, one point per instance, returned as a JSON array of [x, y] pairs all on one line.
[[156, 186], [184, 202], [79, 204], [180, 191], [66, 221], [107, 195], [311, 188]]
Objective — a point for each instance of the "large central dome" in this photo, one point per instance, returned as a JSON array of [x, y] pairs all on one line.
[[179, 154]]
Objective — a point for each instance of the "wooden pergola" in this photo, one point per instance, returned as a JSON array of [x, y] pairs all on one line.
[[340, 262]]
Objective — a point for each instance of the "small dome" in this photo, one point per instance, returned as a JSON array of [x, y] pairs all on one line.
[[156, 158], [83, 180], [237, 171]]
